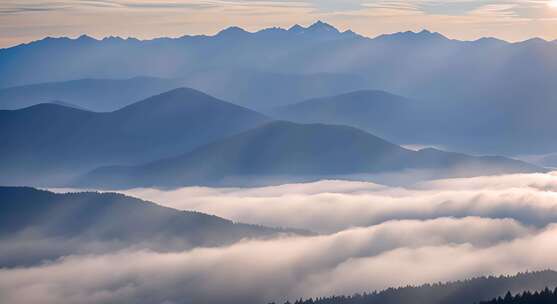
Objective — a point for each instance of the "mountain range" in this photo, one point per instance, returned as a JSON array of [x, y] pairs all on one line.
[[49, 142], [293, 151], [484, 93], [114, 57]]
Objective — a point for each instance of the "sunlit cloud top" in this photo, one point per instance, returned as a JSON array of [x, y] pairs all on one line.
[[26, 20]]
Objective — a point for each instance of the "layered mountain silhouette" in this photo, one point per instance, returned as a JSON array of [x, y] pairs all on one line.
[[48, 142], [108, 218], [469, 126], [254, 89], [293, 150], [486, 86], [113, 57]]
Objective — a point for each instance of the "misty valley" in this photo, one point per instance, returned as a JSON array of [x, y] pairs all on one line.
[[284, 165]]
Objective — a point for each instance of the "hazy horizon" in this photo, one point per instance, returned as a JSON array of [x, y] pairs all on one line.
[[30, 20], [252, 31]]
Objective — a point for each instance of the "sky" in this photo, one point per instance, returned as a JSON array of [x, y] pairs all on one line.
[[513, 20]]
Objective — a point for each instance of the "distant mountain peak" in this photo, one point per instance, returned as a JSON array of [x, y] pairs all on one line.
[[112, 38], [296, 28], [182, 92], [232, 31], [425, 33], [323, 27], [85, 37]]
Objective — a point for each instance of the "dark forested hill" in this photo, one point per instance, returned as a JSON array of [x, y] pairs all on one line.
[[84, 222], [460, 292], [545, 296]]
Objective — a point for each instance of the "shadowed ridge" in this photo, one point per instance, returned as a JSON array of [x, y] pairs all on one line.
[[293, 151], [375, 111], [49, 107]]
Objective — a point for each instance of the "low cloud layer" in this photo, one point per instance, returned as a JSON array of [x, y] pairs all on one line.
[[428, 232], [390, 254], [330, 206]]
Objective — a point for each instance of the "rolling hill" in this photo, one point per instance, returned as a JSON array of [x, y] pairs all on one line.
[[381, 113], [48, 143]]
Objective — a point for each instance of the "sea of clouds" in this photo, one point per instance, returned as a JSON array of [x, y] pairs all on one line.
[[368, 237], [331, 206]]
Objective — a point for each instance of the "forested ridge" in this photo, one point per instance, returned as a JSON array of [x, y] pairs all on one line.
[[546, 296], [467, 291]]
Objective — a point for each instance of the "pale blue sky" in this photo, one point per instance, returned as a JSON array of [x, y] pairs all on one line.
[[26, 20]]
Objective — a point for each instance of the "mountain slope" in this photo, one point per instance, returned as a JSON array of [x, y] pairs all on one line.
[[48, 142], [294, 151], [29, 214], [378, 112]]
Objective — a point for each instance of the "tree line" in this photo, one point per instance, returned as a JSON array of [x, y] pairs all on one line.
[[467, 291], [546, 296]]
